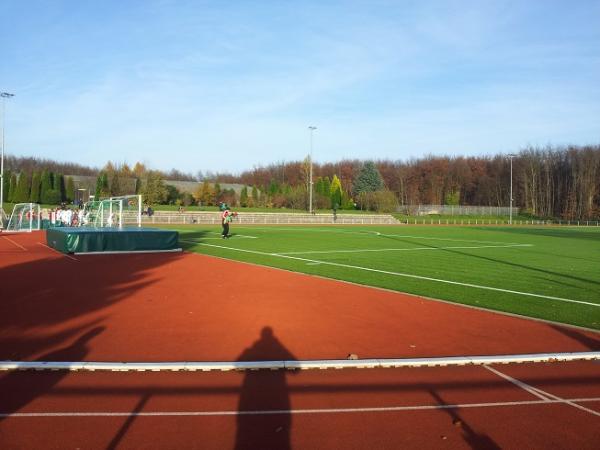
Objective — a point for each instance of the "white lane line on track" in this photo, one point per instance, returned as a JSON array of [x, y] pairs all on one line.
[[15, 243], [401, 249], [518, 383], [300, 411], [406, 275], [540, 393], [56, 251]]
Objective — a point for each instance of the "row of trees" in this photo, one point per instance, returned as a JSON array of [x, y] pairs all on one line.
[[28, 164], [552, 182], [38, 187]]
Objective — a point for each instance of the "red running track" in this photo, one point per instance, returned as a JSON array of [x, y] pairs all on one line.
[[191, 307]]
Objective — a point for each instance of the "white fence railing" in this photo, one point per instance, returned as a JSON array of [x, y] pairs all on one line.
[[430, 221], [457, 210], [165, 217]]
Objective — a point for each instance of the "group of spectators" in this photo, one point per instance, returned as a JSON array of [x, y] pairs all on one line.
[[67, 217]]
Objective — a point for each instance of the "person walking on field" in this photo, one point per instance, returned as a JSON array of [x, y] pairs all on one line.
[[226, 218]]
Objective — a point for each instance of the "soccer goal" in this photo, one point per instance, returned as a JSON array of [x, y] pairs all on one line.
[[25, 217], [130, 209], [113, 212]]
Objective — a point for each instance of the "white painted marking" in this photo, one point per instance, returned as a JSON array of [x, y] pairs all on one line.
[[326, 252], [379, 234], [447, 361], [542, 394], [60, 253], [444, 239], [408, 275], [518, 383], [15, 243], [297, 411]]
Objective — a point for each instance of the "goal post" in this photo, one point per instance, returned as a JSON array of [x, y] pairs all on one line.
[[25, 217], [130, 209], [114, 212]]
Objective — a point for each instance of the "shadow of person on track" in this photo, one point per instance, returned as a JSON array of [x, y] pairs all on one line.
[[472, 438], [18, 389], [114, 443], [264, 391]]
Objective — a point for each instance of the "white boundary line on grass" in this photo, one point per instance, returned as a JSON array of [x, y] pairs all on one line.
[[243, 236], [400, 249], [378, 233], [298, 411], [400, 274]]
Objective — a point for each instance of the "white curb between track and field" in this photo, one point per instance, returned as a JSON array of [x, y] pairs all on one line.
[[299, 364]]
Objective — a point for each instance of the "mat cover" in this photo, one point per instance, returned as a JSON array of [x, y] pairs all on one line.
[[85, 240]]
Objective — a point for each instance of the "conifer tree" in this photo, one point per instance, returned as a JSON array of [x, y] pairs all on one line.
[[22, 192], [34, 195], [244, 197], [319, 186], [254, 195], [326, 186], [98, 186], [45, 186], [7, 180], [368, 180], [335, 193], [59, 186], [70, 190], [102, 188], [12, 187]]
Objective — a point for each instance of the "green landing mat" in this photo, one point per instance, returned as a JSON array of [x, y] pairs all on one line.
[[96, 240]]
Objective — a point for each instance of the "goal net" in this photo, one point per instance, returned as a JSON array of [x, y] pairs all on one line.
[[25, 217], [113, 212], [130, 209]]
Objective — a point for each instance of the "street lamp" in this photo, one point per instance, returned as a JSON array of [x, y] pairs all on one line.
[[511, 156], [4, 96], [310, 181]]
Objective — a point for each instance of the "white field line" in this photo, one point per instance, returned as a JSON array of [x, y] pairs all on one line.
[[377, 233], [407, 275], [405, 236], [540, 393], [56, 251], [15, 243], [298, 411], [232, 236], [310, 252]]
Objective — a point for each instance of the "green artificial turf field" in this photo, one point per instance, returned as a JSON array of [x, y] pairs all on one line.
[[550, 273]]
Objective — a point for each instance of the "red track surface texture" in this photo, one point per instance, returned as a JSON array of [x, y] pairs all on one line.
[[177, 307]]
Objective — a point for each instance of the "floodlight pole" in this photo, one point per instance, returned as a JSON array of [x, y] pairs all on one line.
[[310, 181], [4, 96], [511, 156]]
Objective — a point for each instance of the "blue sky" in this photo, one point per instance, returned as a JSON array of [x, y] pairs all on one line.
[[225, 86]]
